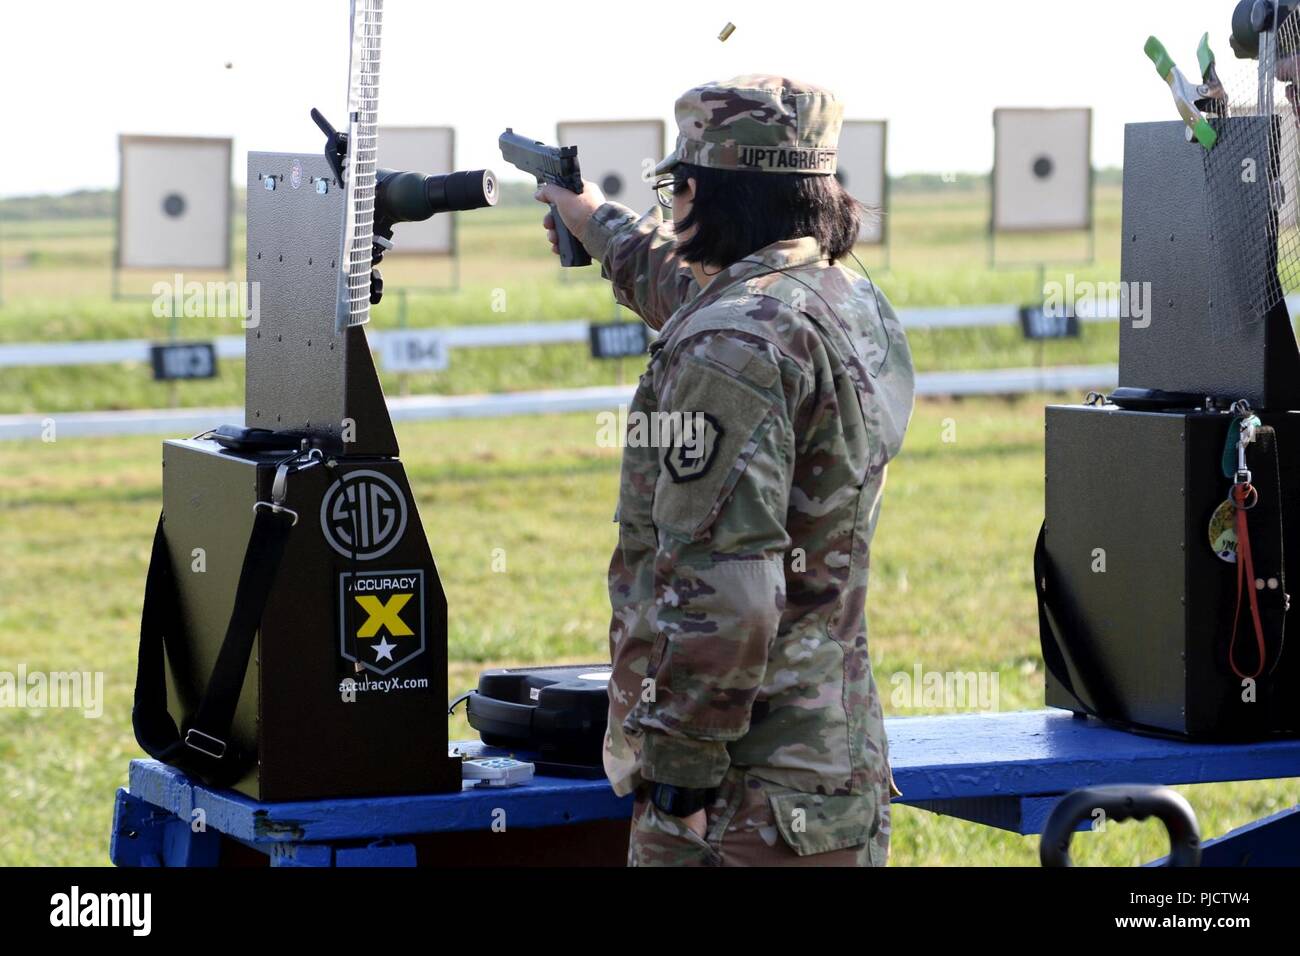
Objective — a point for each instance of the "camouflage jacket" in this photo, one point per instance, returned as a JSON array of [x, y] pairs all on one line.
[[739, 583]]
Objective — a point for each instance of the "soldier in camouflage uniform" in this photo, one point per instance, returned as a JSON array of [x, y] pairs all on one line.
[[741, 682]]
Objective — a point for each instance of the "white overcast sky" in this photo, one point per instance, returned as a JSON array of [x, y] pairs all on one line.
[[76, 73]]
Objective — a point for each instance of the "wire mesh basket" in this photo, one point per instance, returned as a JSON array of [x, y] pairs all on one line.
[[1253, 178]]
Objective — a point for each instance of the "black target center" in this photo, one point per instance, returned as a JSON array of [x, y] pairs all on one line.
[[611, 184], [1043, 167], [174, 205]]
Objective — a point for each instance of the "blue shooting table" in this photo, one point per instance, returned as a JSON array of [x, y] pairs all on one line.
[[1005, 770]]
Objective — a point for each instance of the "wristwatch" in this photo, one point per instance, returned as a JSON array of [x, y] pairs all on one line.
[[680, 801]]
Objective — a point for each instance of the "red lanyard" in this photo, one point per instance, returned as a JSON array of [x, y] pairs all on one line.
[[1241, 494]]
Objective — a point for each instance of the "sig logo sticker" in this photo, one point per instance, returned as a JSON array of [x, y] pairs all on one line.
[[363, 515], [381, 618]]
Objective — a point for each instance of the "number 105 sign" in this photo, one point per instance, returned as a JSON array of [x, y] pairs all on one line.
[[422, 351]]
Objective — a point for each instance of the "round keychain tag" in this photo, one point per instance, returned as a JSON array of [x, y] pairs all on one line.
[[1223, 532]]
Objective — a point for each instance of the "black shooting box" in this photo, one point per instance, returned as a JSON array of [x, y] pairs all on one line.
[[1141, 621], [1146, 603], [294, 640]]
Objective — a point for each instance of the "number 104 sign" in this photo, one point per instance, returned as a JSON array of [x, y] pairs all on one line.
[[419, 351]]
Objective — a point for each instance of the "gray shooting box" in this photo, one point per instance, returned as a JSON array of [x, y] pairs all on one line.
[[1137, 609], [357, 603]]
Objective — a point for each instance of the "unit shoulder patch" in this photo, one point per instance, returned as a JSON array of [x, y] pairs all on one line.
[[699, 471], [694, 447]]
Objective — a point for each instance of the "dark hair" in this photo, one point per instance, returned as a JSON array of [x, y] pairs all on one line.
[[737, 212]]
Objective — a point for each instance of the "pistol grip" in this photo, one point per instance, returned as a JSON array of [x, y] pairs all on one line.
[[572, 252]]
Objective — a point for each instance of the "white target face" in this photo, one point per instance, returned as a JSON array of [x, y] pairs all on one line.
[[619, 156], [174, 200], [1042, 178], [430, 150], [860, 168]]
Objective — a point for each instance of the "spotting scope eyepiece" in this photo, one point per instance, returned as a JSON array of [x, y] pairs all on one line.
[[1250, 18], [414, 197]]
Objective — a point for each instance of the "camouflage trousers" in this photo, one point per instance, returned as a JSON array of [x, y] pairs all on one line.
[[748, 825]]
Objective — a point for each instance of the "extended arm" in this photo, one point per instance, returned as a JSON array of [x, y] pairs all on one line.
[[639, 258], [637, 254]]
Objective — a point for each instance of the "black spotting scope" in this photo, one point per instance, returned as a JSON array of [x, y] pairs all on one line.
[[1250, 18], [407, 196], [414, 197]]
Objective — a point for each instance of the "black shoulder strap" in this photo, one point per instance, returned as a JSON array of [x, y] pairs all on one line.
[[204, 749], [1068, 670]]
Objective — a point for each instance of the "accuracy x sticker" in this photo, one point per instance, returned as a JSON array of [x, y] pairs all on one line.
[[381, 618]]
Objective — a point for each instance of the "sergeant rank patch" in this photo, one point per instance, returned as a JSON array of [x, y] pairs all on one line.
[[695, 444]]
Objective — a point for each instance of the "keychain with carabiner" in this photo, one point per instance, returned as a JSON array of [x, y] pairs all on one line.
[[1242, 495]]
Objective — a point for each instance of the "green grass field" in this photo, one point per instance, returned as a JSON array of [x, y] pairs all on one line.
[[950, 585], [57, 283]]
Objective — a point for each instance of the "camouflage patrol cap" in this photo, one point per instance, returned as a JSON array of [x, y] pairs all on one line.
[[758, 122]]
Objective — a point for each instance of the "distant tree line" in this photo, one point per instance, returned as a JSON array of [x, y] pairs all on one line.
[[968, 182], [81, 204]]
